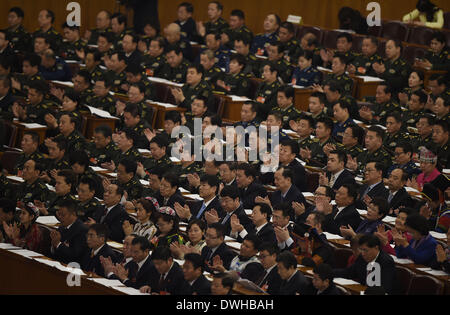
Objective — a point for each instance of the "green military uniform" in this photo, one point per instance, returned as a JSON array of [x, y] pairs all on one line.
[[96, 74], [30, 192], [288, 114], [20, 39], [87, 209], [86, 96], [54, 38], [152, 164], [417, 141], [212, 75], [191, 92], [252, 65], [190, 120], [383, 110], [321, 115], [293, 50], [266, 96], [308, 143], [95, 33], [89, 173], [119, 38], [216, 27], [70, 49], [343, 80], [134, 188], [237, 84], [317, 153], [55, 202], [396, 74], [75, 142], [36, 156], [355, 151], [104, 155], [443, 154], [7, 189], [380, 155], [145, 110], [154, 65], [117, 80], [411, 118], [62, 164], [392, 141], [177, 74], [241, 32], [25, 81], [142, 141], [132, 154], [285, 70], [363, 64], [194, 168], [106, 103], [439, 61]]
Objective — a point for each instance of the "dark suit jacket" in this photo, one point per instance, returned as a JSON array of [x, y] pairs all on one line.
[[400, 199], [131, 266], [272, 281], [299, 176], [6, 103], [172, 284], [75, 238], [346, 177], [114, 220], [93, 264], [243, 219], [134, 58], [377, 191], [176, 197], [294, 194], [143, 276], [331, 290], [297, 284], [201, 286], [358, 271], [223, 251], [215, 204], [248, 196], [266, 234], [348, 215]]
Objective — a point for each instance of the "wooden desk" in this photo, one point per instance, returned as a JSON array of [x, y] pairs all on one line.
[[232, 109], [239, 289], [161, 113], [94, 121], [428, 73], [20, 275], [302, 98], [21, 129], [364, 89]]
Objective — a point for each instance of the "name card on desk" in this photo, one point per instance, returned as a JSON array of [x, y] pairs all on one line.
[[100, 113]]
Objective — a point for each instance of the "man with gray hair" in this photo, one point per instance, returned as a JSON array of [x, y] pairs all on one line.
[[172, 34]]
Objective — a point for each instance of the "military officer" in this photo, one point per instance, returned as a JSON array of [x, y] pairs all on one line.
[[262, 41], [266, 94], [176, 68], [286, 108]]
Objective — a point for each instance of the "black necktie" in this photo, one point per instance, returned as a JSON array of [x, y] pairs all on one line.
[[161, 282]]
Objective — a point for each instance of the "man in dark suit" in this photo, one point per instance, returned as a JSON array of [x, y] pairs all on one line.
[[263, 229], [231, 204], [293, 281], [289, 150], [196, 283], [140, 249], [96, 241], [208, 190], [270, 280], [113, 213], [132, 54], [248, 188], [323, 281], [169, 278], [373, 267], [69, 241], [398, 196], [125, 259], [227, 171], [344, 213], [336, 174], [169, 192], [374, 186], [215, 246], [6, 98], [286, 192]]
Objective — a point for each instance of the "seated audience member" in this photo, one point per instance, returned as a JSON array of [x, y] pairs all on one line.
[[96, 238], [79, 162], [222, 284], [436, 57], [103, 149], [88, 205], [398, 196], [54, 68], [305, 74], [344, 213], [176, 67], [7, 211], [386, 237], [266, 94], [443, 256], [293, 281], [375, 151], [33, 188], [29, 146], [428, 13], [336, 174], [441, 138], [249, 189], [323, 280], [415, 84], [195, 282], [140, 249], [428, 165], [416, 108], [168, 230], [377, 209], [286, 106], [370, 248], [236, 81], [127, 180], [403, 158], [26, 233], [169, 194], [433, 209], [362, 64], [126, 260], [195, 232], [261, 41], [354, 246], [270, 281], [373, 185], [147, 215], [169, 279], [394, 131], [69, 241], [246, 265], [422, 247], [215, 246]]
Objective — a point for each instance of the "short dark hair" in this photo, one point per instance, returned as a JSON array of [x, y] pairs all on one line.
[[230, 191], [342, 58], [172, 178], [100, 229], [370, 240], [173, 116], [69, 177], [161, 253], [33, 59], [285, 208], [220, 229], [342, 156], [345, 35], [121, 18], [295, 148], [239, 13], [105, 130], [248, 169], [88, 181], [265, 209], [133, 109], [188, 6], [200, 223], [423, 97], [378, 131], [289, 26], [18, 11], [418, 222], [7, 205], [79, 157], [287, 259], [327, 121], [70, 205], [130, 165], [308, 118], [34, 136], [287, 90], [382, 205], [254, 239], [211, 180], [195, 259], [352, 191], [357, 132], [142, 241], [396, 115], [325, 272], [287, 172], [160, 140]]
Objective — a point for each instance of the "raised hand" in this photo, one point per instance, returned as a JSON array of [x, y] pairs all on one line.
[[182, 212]]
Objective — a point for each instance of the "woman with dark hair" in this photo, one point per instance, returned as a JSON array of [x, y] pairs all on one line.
[[422, 247], [27, 234], [196, 235], [415, 83], [168, 231], [429, 14], [147, 214], [437, 57]]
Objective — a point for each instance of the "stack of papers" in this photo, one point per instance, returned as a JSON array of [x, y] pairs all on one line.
[[194, 196], [183, 191], [101, 113], [370, 79], [402, 261], [229, 239], [51, 263], [235, 245], [47, 220], [333, 236], [112, 174], [164, 81], [389, 219], [308, 194], [25, 253], [33, 126], [8, 246], [107, 282], [440, 236], [235, 98], [433, 272], [98, 169], [144, 151], [66, 83], [128, 290], [166, 105], [115, 245], [343, 281], [16, 178]]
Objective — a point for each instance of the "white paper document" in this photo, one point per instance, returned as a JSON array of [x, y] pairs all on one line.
[[236, 98], [107, 282], [16, 178], [164, 81], [194, 196], [47, 220], [144, 151], [343, 281], [369, 79], [440, 236], [33, 126], [333, 236], [115, 245], [65, 83], [25, 253], [129, 291], [433, 272], [8, 246], [234, 245], [99, 112], [47, 262], [98, 169], [402, 261]]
